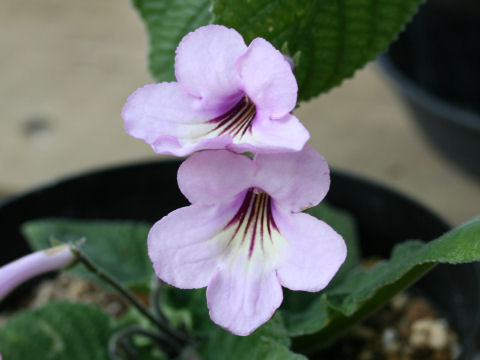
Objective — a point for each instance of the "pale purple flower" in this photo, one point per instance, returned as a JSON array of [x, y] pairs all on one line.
[[227, 95], [244, 236], [29, 266]]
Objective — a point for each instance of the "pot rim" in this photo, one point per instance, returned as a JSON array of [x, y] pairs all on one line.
[[436, 105], [80, 175]]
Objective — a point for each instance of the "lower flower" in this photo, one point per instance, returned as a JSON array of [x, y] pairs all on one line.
[[244, 236]]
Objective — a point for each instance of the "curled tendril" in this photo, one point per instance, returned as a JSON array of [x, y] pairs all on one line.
[[155, 297], [122, 347]]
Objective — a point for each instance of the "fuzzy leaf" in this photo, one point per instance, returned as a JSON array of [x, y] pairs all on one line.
[[461, 245], [332, 38], [117, 247], [269, 342], [57, 331], [168, 21]]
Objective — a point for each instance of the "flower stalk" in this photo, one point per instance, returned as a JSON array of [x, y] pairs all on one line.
[[177, 338]]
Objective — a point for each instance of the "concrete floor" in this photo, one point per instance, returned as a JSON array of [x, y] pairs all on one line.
[[66, 68]]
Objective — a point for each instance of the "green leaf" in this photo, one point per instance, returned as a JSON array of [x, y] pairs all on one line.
[[248, 348], [117, 247], [269, 342], [269, 350], [57, 331], [461, 245], [186, 309], [168, 21], [362, 291], [333, 37]]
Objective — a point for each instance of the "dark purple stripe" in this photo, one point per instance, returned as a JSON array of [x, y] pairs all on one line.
[[236, 108], [242, 210], [252, 215], [257, 205], [260, 208], [270, 220], [237, 120], [248, 126], [247, 122], [240, 215], [233, 125], [262, 216]]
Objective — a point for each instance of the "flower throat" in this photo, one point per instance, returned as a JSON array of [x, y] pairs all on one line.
[[236, 121], [253, 221]]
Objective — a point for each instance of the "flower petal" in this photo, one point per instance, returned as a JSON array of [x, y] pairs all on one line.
[[268, 136], [268, 79], [158, 109], [215, 176], [180, 245], [243, 295], [205, 64], [314, 252], [170, 120], [296, 180], [191, 142], [282, 135]]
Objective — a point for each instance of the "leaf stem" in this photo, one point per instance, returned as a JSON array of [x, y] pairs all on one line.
[[177, 338]]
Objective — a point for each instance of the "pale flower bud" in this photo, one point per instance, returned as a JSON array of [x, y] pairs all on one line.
[[29, 266]]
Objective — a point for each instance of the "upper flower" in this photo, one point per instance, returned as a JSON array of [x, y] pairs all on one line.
[[227, 95], [244, 235]]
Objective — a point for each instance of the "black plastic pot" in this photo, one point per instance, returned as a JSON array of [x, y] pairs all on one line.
[[435, 65], [149, 191]]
